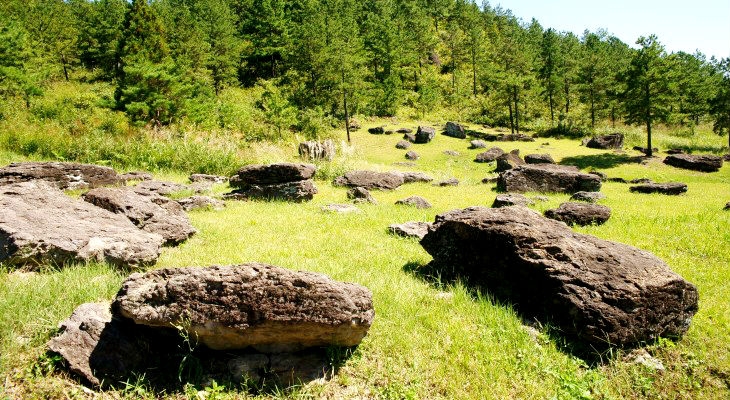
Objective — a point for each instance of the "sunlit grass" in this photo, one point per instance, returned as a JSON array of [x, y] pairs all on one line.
[[429, 340]]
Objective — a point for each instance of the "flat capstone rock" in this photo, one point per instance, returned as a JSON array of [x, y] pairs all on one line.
[[268, 308], [370, 180], [539, 159], [271, 174], [489, 155], [671, 188], [151, 213], [64, 175], [547, 178], [39, 224], [702, 163], [581, 214]]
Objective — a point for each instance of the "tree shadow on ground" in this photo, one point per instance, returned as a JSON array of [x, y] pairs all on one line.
[[593, 355], [601, 161]]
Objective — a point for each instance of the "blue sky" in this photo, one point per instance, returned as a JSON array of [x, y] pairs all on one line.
[[681, 25]]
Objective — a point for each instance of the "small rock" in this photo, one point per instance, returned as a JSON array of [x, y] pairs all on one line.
[[135, 176], [370, 180], [340, 208], [412, 155], [447, 182], [404, 130], [599, 174], [410, 229], [361, 195], [403, 145], [415, 201], [412, 177], [477, 144], [511, 199], [201, 202], [489, 155], [491, 179], [641, 180], [162, 188], [405, 163], [452, 153], [727, 206], [589, 197], [207, 178], [424, 134], [378, 130], [354, 124], [581, 214], [642, 357]]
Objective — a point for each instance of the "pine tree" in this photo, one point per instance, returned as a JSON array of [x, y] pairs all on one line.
[[648, 94], [720, 103]]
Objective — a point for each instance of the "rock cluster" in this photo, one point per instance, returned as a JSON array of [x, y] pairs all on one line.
[[597, 291], [227, 309], [280, 181]]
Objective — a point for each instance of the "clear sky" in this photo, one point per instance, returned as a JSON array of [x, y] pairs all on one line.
[[681, 25]]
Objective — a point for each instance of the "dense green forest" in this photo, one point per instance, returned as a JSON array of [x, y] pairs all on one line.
[[172, 61]]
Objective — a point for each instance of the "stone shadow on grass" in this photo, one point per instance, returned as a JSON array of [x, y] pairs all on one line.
[[601, 161], [441, 278]]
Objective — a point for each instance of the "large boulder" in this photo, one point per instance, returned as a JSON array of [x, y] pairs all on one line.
[[370, 180], [271, 174], [581, 214], [64, 175], [154, 214], [250, 305], [611, 141], [703, 163], [596, 291], [424, 134], [489, 155], [39, 224], [670, 188], [547, 178], [454, 130], [297, 191]]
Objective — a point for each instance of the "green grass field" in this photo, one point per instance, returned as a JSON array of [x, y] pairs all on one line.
[[428, 340]]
